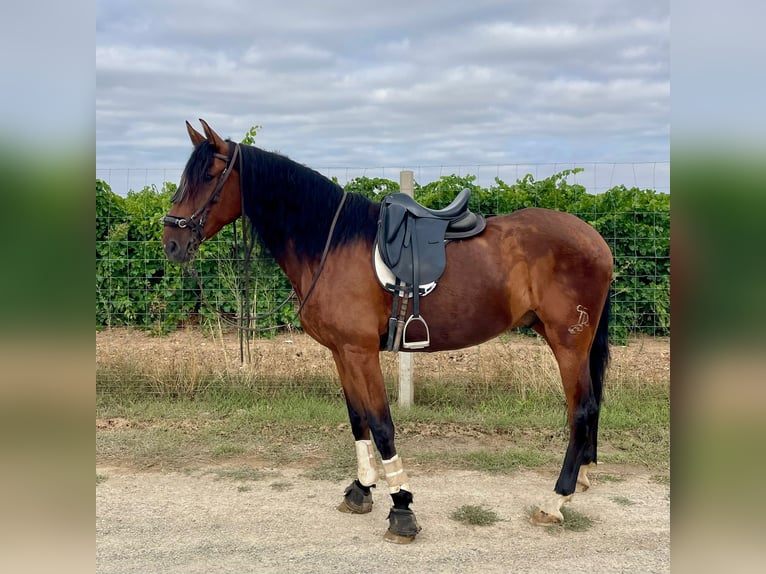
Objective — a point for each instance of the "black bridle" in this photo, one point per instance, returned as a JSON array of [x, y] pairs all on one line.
[[196, 221]]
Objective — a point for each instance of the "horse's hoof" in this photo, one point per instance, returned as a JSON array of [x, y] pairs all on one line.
[[355, 500], [348, 509], [402, 526], [541, 518], [397, 538]]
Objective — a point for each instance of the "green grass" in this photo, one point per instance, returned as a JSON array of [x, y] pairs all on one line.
[[474, 515], [661, 479], [506, 428], [574, 521], [227, 450], [622, 500], [606, 477], [504, 462], [339, 462], [241, 474]]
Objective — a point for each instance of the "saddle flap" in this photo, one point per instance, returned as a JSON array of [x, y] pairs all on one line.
[[392, 234], [431, 251], [410, 240], [394, 222]]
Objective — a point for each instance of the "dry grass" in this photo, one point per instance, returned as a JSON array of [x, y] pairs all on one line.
[[187, 362]]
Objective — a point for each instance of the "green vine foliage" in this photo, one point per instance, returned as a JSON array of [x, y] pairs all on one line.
[[636, 225], [136, 285]]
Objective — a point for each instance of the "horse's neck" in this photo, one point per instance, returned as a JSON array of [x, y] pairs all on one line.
[[298, 272], [300, 195]]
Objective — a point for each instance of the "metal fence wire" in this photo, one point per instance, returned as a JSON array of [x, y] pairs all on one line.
[[151, 314]]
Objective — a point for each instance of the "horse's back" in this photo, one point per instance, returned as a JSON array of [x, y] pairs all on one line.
[[548, 230], [558, 249]]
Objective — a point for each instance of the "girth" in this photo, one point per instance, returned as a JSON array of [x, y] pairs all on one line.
[[411, 243]]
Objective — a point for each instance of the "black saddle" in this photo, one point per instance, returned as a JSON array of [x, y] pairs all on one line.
[[455, 213], [411, 241]]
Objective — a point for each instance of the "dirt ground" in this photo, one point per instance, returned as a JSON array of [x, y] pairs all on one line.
[[189, 523], [281, 520]]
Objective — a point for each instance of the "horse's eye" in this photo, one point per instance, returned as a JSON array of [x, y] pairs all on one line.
[[208, 178]]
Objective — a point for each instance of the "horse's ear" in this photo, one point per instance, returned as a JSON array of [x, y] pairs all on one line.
[[214, 138], [196, 137]]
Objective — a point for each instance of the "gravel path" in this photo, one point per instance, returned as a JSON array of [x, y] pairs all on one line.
[[202, 523]]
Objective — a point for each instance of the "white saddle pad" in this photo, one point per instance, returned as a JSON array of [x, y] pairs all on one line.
[[387, 279]]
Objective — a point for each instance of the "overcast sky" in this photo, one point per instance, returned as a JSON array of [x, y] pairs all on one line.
[[353, 84]]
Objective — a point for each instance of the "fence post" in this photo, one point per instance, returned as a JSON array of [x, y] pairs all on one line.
[[406, 360]]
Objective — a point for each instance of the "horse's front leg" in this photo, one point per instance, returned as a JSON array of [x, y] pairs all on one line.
[[358, 496], [370, 418]]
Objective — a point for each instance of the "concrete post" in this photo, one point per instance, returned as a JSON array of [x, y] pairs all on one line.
[[406, 360]]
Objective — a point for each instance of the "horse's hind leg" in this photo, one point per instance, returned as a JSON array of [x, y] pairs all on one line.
[[572, 353], [370, 416]]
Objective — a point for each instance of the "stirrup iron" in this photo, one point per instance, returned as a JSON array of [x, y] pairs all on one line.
[[416, 344]]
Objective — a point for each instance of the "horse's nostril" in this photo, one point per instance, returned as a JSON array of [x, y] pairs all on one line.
[[171, 247]]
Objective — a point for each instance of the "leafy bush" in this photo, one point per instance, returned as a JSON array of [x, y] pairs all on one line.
[[636, 225], [136, 285]]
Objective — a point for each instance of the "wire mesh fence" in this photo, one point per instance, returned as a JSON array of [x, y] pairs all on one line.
[[174, 314]]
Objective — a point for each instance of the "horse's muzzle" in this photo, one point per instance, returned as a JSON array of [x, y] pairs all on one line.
[[179, 252]]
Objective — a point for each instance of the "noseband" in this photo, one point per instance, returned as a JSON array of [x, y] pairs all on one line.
[[196, 221]]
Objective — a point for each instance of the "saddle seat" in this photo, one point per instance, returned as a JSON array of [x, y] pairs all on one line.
[[410, 253], [457, 213]]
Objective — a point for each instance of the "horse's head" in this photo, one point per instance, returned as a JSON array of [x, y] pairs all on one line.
[[208, 195]]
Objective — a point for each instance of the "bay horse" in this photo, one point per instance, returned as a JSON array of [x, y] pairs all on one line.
[[538, 268]]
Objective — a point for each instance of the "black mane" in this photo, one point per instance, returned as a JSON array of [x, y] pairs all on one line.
[[194, 173], [291, 205]]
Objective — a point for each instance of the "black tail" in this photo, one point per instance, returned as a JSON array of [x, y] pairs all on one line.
[[599, 352]]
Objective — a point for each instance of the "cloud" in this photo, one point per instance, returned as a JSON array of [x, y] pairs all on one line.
[[339, 83]]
